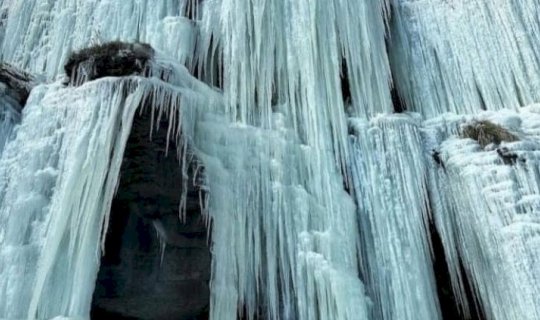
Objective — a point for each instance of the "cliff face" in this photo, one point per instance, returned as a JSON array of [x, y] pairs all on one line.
[[339, 186], [155, 265]]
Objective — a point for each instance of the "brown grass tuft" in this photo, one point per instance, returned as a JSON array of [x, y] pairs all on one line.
[[487, 132]]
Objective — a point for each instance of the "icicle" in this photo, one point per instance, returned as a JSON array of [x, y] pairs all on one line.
[[39, 42], [58, 180], [389, 181], [465, 56], [9, 117], [487, 203]]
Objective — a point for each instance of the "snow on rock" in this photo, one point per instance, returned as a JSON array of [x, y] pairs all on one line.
[[487, 210]]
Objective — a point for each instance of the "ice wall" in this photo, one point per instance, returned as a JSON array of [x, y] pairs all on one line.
[[41, 34], [282, 63], [389, 178], [279, 241], [57, 181], [55, 188], [463, 56], [486, 206], [288, 241], [9, 117]]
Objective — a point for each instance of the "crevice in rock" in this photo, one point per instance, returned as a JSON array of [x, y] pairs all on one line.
[[397, 100], [345, 85], [450, 307]]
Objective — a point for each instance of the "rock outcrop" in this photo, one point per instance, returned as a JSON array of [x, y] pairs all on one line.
[[15, 85], [113, 59], [155, 266]]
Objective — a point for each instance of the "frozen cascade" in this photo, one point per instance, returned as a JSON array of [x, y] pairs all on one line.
[[486, 203], [287, 62], [38, 41], [54, 189], [58, 180], [278, 245], [316, 256], [463, 56], [293, 52], [9, 117], [389, 178], [288, 241]]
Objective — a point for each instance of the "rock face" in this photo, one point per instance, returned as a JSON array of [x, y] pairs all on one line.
[[15, 84], [114, 59], [154, 267]]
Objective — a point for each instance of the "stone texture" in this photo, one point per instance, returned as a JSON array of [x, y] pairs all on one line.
[[15, 84], [145, 275], [113, 59]]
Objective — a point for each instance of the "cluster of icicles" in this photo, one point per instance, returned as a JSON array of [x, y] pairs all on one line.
[[279, 141]]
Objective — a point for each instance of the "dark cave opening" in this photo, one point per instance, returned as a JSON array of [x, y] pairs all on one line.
[[154, 265], [450, 308]]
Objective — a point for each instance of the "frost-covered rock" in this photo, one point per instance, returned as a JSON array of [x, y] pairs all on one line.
[[487, 209], [113, 59], [16, 84]]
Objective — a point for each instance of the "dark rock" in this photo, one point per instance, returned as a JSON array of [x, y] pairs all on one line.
[[508, 157], [436, 155], [17, 83], [155, 266], [113, 59], [397, 101], [192, 9]]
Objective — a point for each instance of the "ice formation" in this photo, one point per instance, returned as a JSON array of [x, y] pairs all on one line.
[[39, 35], [393, 216], [9, 117], [494, 225], [58, 180], [319, 203], [465, 55]]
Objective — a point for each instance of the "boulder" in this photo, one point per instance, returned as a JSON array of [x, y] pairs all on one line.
[[113, 59]]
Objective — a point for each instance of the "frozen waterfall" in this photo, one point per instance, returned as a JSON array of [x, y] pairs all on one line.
[[320, 200]]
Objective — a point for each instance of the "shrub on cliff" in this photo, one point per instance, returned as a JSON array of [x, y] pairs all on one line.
[[487, 132], [113, 59]]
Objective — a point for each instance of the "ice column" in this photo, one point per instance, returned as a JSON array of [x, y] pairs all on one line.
[[487, 204], [389, 179], [465, 56]]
